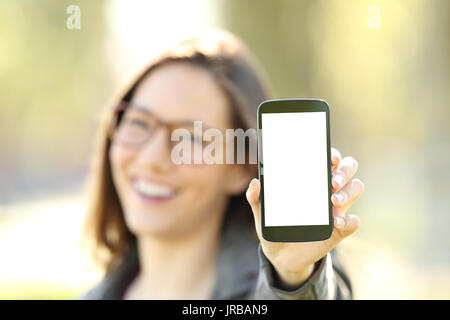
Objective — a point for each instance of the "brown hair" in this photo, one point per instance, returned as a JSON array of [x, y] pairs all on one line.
[[236, 71]]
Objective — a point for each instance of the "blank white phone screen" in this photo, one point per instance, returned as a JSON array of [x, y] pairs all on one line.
[[294, 154]]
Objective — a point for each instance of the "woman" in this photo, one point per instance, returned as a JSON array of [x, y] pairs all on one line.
[[168, 231]]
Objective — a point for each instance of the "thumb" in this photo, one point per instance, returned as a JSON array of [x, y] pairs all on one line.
[[253, 199]]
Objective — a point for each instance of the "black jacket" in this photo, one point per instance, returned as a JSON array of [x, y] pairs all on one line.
[[243, 272]]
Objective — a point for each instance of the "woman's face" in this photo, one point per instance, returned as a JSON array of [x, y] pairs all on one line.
[[159, 197]]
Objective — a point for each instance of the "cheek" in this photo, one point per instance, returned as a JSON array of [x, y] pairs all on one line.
[[119, 160], [205, 195], [205, 181]]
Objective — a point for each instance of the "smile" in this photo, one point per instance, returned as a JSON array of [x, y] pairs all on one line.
[[150, 190]]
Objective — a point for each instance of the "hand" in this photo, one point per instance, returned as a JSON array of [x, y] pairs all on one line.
[[294, 261]]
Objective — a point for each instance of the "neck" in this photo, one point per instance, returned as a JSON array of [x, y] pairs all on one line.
[[181, 266]]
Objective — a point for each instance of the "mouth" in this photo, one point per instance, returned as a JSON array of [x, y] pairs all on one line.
[[151, 192]]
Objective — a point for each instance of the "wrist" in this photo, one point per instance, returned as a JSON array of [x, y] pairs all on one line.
[[291, 280]]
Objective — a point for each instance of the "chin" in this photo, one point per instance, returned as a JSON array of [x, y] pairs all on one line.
[[152, 225]]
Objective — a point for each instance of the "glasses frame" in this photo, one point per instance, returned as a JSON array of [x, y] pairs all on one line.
[[120, 109]]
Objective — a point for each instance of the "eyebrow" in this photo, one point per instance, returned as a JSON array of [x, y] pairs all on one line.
[[145, 110]]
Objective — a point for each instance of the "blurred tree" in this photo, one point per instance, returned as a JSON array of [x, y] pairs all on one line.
[[388, 89], [276, 31], [54, 80]]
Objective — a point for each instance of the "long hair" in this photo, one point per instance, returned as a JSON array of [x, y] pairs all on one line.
[[242, 79]]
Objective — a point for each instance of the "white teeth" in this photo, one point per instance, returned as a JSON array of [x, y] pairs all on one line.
[[153, 190]]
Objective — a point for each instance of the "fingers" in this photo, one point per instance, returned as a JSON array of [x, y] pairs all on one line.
[[346, 169], [344, 198], [344, 226], [335, 158]]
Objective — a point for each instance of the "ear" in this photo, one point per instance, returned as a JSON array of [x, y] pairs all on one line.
[[238, 178]]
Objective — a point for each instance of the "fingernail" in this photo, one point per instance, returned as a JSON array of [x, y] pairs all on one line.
[[354, 220], [338, 180], [334, 199], [339, 197], [339, 222]]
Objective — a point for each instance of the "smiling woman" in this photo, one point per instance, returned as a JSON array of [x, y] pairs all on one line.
[[170, 231]]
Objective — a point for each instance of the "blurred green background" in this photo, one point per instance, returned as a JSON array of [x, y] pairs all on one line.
[[383, 66]]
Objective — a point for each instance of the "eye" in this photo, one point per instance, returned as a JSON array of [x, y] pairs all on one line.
[[139, 123]]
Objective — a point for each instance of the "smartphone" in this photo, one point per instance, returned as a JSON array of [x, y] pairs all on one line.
[[294, 168]]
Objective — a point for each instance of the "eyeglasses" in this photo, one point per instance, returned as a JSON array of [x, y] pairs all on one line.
[[133, 126]]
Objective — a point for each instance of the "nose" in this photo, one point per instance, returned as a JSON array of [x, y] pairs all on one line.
[[156, 150]]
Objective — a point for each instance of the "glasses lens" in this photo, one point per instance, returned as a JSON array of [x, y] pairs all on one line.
[[134, 128], [188, 144]]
